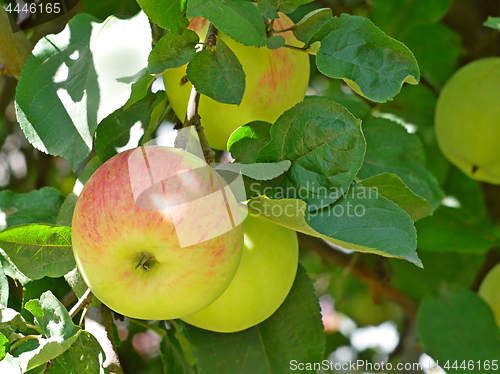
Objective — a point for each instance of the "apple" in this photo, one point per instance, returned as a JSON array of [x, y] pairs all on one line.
[[151, 238], [468, 120], [276, 80], [490, 291], [262, 282]]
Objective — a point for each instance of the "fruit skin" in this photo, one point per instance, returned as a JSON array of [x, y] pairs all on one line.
[[276, 80], [490, 291], [468, 120], [110, 234], [262, 282]]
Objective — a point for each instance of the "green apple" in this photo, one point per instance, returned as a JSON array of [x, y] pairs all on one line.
[[276, 80], [262, 282], [490, 291], [151, 238], [468, 120]]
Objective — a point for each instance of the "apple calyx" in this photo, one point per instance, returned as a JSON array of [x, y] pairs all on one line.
[[146, 261]]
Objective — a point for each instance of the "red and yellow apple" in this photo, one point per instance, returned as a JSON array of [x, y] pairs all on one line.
[[468, 120], [156, 253], [276, 80], [490, 291], [263, 280]]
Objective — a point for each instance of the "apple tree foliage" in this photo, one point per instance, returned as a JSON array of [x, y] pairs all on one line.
[[416, 255]]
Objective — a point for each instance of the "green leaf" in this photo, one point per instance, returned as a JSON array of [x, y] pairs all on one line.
[[275, 42], [104, 9], [172, 356], [493, 22], [75, 280], [392, 149], [392, 188], [454, 230], [65, 216], [84, 356], [9, 365], [38, 206], [72, 81], [246, 142], [54, 321], [173, 51], [140, 88], [456, 323], [270, 8], [39, 250], [311, 23], [414, 282], [169, 14], [89, 170], [218, 75], [263, 171], [11, 323], [396, 16], [4, 346], [325, 144], [352, 103], [361, 220], [11, 270], [114, 131], [4, 288], [437, 49], [293, 332], [239, 19], [354, 49]]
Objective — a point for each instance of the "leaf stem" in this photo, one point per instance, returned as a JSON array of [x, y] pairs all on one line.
[[150, 327], [192, 116], [296, 48]]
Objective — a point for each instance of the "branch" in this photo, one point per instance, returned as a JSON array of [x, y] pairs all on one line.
[[15, 48], [99, 322], [192, 116], [364, 273], [85, 300]]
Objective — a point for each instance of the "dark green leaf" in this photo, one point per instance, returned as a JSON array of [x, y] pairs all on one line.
[[293, 332], [392, 149], [218, 75], [140, 88], [396, 16], [65, 216], [437, 50], [239, 19], [456, 323], [392, 188], [169, 14], [275, 42], [84, 356], [114, 131], [4, 288], [173, 357], [354, 49], [39, 206], [11, 323], [89, 170], [269, 8], [72, 81], [39, 250], [454, 230], [325, 144], [311, 24], [53, 320], [104, 9], [173, 51]]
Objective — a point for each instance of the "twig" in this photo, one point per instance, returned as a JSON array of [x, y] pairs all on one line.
[[364, 273], [192, 116], [15, 48], [85, 300], [99, 322]]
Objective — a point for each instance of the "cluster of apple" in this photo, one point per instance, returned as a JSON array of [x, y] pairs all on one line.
[[132, 258]]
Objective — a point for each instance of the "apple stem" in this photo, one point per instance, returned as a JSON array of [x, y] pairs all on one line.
[[192, 116], [146, 262], [296, 48]]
